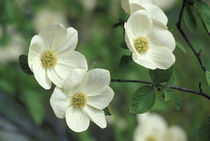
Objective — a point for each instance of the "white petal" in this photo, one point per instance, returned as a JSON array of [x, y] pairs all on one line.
[[53, 76], [77, 120], [151, 124], [96, 82], [74, 78], [156, 57], [139, 24], [59, 102], [40, 74], [53, 36], [35, 50], [136, 5], [70, 42], [97, 116], [143, 60], [156, 13], [125, 5], [73, 59], [175, 133], [101, 101], [159, 36], [130, 43]]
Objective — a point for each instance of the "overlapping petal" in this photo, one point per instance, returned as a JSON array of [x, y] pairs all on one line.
[[40, 74], [138, 24], [96, 81], [101, 101], [59, 102], [96, 115], [53, 36], [77, 120], [35, 50]]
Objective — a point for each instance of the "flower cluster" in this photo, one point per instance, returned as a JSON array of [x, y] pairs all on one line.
[[80, 95], [146, 35], [152, 127]]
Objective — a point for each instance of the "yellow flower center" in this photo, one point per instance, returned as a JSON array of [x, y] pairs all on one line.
[[79, 100], [151, 138], [141, 44], [49, 59]]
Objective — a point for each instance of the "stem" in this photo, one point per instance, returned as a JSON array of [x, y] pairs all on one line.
[[172, 87], [197, 54]]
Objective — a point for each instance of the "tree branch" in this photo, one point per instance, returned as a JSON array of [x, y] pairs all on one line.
[[197, 54], [172, 87]]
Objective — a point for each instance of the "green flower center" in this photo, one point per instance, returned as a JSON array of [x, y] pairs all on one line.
[[48, 59], [79, 100], [151, 138], [141, 44]]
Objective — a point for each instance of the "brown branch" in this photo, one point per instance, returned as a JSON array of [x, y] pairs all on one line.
[[172, 87], [197, 54]]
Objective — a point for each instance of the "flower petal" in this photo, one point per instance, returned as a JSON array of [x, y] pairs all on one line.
[[101, 101], [125, 5], [159, 36], [59, 102], [70, 42], [40, 74], [139, 24], [35, 50], [53, 36], [155, 57], [74, 78], [73, 59], [130, 43], [96, 81], [97, 116], [77, 120], [156, 13], [53, 76]]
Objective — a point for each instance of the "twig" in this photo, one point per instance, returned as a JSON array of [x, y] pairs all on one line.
[[197, 54], [172, 87]]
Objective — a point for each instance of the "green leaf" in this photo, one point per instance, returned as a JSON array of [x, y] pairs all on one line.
[[181, 47], [124, 45], [208, 77], [125, 59], [159, 76], [23, 61], [189, 17], [204, 131], [204, 11], [171, 95], [142, 100], [34, 103], [107, 112]]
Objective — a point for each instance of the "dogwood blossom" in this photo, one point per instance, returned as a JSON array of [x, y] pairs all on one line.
[[156, 13], [83, 98], [150, 43], [153, 127], [51, 55]]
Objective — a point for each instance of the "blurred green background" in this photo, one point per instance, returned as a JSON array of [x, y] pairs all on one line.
[[25, 112]]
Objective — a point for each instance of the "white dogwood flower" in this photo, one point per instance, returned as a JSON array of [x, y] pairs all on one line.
[[51, 55], [153, 127], [83, 98], [156, 13], [150, 43]]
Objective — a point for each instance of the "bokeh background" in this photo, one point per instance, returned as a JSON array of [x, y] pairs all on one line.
[[25, 112]]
